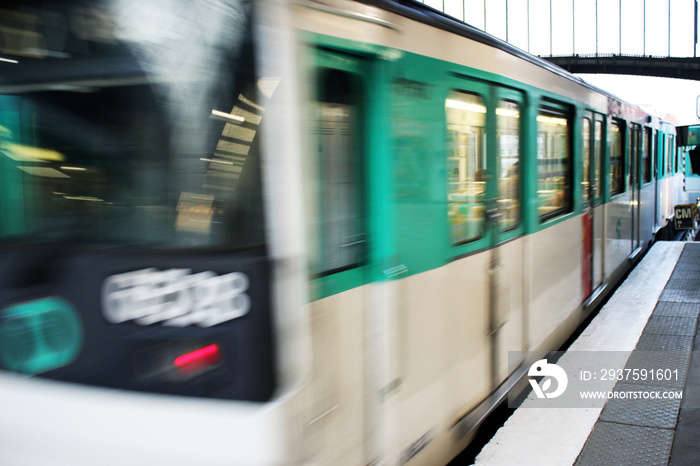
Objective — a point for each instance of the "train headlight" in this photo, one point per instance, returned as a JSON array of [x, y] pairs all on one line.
[[40, 335]]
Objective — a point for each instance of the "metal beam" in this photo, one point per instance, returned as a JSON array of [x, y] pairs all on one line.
[[667, 67]]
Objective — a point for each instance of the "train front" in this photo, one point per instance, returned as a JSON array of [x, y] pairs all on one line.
[[144, 250]]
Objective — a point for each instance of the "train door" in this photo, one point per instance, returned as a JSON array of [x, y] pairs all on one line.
[[657, 174], [588, 211], [484, 129], [507, 312], [598, 266], [646, 224], [635, 191], [661, 182], [340, 250], [592, 259]]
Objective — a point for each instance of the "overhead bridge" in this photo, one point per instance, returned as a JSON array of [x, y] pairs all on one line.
[[630, 38], [667, 67]]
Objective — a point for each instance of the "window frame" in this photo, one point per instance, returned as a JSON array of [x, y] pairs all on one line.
[[517, 97], [482, 152], [492, 94], [647, 155], [660, 154], [635, 154], [553, 109], [587, 154], [621, 125], [600, 121], [335, 279], [484, 91]]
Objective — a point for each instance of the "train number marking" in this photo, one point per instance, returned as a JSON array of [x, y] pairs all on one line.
[[175, 297]]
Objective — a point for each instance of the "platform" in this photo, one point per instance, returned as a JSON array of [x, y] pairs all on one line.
[[652, 318]]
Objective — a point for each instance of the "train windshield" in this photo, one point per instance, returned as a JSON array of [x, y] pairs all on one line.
[[131, 123]]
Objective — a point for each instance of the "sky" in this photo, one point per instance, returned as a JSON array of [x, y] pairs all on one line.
[[644, 28]]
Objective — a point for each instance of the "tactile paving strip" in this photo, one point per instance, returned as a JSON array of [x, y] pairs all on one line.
[[691, 251], [680, 296], [671, 367], [677, 309], [639, 408], [661, 342], [684, 284], [615, 444], [671, 325]]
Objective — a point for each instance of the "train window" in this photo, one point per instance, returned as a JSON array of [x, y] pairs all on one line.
[[586, 179], [554, 163], [660, 144], [508, 117], [466, 130], [673, 153], [676, 158], [342, 224], [646, 156], [598, 148], [654, 148], [137, 158], [674, 161], [617, 159], [635, 146], [670, 154]]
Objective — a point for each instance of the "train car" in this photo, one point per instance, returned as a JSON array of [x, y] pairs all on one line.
[[304, 232]]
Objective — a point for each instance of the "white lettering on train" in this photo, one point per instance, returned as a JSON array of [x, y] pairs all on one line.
[[175, 297]]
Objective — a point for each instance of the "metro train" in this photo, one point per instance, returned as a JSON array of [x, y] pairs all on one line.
[[303, 232]]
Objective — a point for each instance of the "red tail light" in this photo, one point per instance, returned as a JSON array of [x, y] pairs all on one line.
[[197, 360]]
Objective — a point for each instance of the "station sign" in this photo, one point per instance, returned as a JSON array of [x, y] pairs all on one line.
[[686, 216]]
